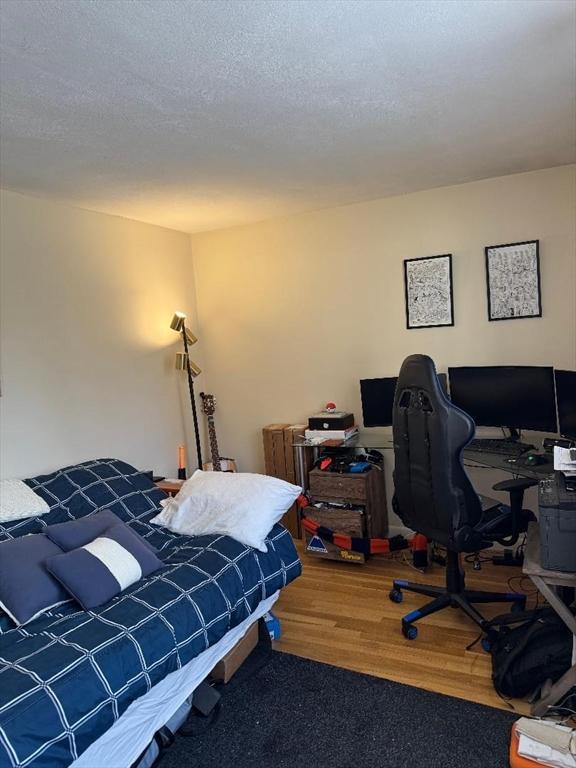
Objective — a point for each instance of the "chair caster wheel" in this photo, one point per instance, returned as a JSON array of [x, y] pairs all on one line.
[[518, 606], [486, 644], [409, 631], [396, 596]]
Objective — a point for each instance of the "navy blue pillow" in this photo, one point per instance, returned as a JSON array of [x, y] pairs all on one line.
[[6, 623], [101, 569], [26, 587], [77, 533]]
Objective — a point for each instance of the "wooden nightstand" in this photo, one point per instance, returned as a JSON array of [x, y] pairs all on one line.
[[367, 517], [171, 487]]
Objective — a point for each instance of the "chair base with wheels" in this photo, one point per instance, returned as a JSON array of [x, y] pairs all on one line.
[[454, 595]]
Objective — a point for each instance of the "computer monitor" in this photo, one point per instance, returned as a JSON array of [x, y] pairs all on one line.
[[513, 396], [566, 400], [378, 399]]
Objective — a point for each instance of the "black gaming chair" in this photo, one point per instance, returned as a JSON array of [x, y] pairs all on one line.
[[434, 496]]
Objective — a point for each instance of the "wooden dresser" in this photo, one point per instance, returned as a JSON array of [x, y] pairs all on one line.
[[367, 515]]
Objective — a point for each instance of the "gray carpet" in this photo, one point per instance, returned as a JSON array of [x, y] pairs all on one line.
[[294, 713]]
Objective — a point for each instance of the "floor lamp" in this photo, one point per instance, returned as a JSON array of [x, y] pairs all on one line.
[[183, 363]]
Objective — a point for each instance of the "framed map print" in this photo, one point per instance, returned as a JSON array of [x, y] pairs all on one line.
[[428, 291], [513, 281]]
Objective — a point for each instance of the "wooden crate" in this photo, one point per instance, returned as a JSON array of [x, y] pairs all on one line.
[[291, 434], [292, 518], [279, 462], [350, 521], [291, 521], [274, 451]]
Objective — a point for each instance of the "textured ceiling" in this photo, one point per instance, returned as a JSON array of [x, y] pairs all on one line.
[[200, 114]]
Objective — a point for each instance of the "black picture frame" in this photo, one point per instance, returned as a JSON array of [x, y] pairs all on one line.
[[410, 274], [522, 285]]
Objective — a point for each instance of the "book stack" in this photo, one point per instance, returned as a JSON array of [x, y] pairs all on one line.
[[540, 742], [331, 434]]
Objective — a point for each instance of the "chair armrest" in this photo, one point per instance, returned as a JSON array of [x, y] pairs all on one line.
[[515, 485], [493, 521], [516, 490]]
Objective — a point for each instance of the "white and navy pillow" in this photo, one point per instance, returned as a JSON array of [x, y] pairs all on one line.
[[18, 501], [26, 587], [105, 567]]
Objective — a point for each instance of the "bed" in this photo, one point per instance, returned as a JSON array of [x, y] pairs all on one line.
[[85, 688]]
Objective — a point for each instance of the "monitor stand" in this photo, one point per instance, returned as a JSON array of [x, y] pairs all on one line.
[[516, 438]]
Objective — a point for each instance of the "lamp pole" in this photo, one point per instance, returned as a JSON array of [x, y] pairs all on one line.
[[192, 398]]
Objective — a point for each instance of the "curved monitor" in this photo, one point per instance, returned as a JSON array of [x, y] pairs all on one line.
[[517, 396]]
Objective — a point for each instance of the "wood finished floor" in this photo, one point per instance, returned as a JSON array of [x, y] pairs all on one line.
[[340, 614]]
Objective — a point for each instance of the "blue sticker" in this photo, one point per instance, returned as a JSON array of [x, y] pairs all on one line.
[[316, 545]]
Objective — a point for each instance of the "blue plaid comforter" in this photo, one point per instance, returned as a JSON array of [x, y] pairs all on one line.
[[67, 676]]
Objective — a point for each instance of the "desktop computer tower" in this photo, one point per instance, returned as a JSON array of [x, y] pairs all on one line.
[[557, 507]]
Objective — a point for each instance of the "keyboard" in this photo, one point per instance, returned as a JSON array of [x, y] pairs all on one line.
[[501, 447]]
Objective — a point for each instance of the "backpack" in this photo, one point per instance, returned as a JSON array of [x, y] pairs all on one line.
[[525, 656]]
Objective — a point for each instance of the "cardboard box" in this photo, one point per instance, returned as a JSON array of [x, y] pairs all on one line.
[[231, 663]]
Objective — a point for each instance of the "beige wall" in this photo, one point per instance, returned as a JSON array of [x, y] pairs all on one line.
[[294, 312], [86, 352]]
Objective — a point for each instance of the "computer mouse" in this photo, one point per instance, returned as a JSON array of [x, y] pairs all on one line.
[[533, 459]]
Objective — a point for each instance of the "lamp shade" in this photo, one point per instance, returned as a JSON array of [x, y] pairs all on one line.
[[194, 369], [178, 320], [190, 338], [182, 363], [181, 358]]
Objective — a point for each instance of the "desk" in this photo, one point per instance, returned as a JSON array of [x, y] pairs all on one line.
[[365, 441], [362, 442], [498, 461], [545, 581]]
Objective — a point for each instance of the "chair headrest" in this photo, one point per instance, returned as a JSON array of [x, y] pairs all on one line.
[[419, 372]]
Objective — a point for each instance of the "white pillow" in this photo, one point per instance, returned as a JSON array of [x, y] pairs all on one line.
[[242, 505], [18, 501]]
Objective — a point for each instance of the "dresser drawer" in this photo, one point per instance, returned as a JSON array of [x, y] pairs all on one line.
[[349, 521], [346, 521], [331, 485]]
